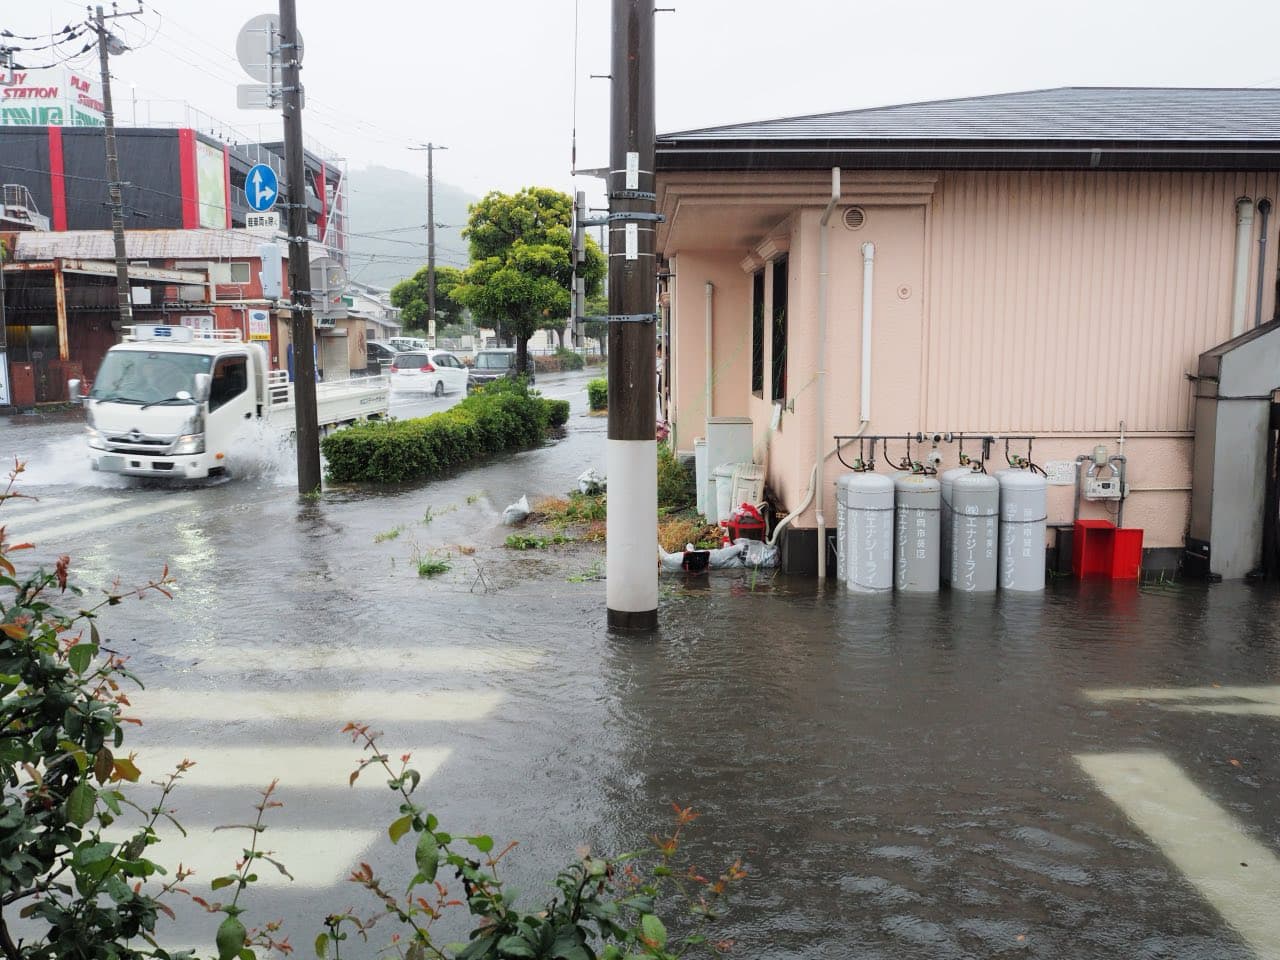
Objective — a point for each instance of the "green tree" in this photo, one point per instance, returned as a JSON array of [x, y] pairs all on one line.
[[410, 295], [521, 270]]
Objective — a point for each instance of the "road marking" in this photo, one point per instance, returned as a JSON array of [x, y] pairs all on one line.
[[39, 510], [416, 661], [1202, 840], [316, 858], [296, 767], [337, 707], [62, 531], [1256, 701]]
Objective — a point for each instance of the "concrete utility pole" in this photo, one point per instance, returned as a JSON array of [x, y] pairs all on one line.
[[632, 459], [107, 43], [431, 241], [304, 336]]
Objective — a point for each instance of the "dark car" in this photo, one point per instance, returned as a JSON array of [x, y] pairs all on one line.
[[378, 356], [494, 364]]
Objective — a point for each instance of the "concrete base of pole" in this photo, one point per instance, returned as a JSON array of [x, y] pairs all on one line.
[[632, 537]]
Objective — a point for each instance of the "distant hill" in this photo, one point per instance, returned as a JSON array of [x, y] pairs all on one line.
[[389, 224]]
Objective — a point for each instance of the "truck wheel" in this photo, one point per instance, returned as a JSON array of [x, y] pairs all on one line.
[[439, 388]]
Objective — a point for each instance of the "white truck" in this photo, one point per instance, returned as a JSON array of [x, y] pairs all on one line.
[[172, 402]]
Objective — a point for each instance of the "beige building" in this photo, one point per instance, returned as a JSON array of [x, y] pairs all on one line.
[[1048, 263]]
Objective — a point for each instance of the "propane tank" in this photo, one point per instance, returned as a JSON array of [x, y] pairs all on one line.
[[868, 522], [975, 522], [946, 479], [918, 499], [1023, 510], [842, 525]]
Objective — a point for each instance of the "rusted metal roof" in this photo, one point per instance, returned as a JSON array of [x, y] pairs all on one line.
[[142, 245]]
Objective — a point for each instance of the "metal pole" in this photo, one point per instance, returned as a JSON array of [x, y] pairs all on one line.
[[632, 584], [123, 293], [304, 364]]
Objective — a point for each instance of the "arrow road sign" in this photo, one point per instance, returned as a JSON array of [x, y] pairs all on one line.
[[261, 188]]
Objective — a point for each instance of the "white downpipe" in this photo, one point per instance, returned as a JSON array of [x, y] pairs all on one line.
[[711, 314], [1244, 243], [868, 278], [820, 406]]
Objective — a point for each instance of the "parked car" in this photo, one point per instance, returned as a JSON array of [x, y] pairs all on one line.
[[493, 363], [428, 371], [403, 344], [378, 356]]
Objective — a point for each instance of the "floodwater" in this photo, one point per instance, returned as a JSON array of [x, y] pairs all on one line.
[[901, 776]]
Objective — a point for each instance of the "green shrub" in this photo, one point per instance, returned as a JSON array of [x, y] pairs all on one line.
[[569, 359], [676, 490], [503, 415], [598, 393]]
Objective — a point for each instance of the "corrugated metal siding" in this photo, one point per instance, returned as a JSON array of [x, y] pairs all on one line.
[[1065, 302]]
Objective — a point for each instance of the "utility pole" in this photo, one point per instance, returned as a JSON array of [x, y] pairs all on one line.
[[303, 333], [108, 43], [632, 458], [431, 241]]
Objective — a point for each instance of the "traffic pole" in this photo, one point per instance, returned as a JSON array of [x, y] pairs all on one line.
[[632, 454], [124, 296], [307, 428]]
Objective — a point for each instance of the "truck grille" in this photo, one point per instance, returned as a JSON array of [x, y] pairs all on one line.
[[136, 442]]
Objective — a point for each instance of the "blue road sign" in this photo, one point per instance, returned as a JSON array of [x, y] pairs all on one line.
[[261, 188]]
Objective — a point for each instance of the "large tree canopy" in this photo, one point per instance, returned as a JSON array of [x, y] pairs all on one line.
[[411, 297], [521, 268]]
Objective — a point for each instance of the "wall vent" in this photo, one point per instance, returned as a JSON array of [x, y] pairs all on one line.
[[854, 218]]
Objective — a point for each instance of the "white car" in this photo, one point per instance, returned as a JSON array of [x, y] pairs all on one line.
[[427, 371], [405, 344]]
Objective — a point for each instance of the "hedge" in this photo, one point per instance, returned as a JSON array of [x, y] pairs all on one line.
[[597, 393], [503, 415]]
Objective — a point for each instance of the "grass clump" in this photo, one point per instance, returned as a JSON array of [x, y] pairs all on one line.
[[676, 489], [675, 532], [386, 535], [520, 541]]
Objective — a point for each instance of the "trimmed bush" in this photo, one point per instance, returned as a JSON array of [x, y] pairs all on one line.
[[569, 359], [598, 393], [503, 415]]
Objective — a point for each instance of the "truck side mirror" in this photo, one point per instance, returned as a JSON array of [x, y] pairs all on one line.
[[73, 391], [203, 384]]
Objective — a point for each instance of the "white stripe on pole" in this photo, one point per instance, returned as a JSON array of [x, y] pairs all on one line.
[[632, 543]]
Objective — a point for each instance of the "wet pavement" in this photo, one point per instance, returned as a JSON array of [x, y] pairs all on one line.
[[1083, 774]]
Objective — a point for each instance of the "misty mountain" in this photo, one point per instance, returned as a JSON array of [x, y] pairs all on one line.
[[388, 225]]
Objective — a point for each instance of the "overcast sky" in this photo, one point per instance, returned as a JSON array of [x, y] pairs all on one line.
[[493, 80]]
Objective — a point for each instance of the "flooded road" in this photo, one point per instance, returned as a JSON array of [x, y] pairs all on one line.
[[1091, 773]]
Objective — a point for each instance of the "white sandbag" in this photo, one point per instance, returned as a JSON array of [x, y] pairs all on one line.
[[516, 512]]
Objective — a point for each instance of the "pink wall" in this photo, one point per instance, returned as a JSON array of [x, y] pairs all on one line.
[[1050, 303]]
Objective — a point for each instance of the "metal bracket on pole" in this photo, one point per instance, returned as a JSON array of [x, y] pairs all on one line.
[[636, 215], [622, 318], [633, 195]]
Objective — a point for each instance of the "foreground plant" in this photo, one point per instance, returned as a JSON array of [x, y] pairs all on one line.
[[603, 909]]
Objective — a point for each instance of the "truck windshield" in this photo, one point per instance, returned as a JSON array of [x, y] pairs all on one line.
[[137, 376], [495, 361]]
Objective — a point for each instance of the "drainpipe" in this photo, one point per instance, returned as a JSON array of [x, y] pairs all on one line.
[[868, 277], [1239, 291], [711, 293], [820, 411], [1264, 211]]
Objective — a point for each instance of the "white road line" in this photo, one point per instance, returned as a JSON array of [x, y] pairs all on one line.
[[1202, 840], [48, 534], [41, 510], [316, 858], [363, 706], [296, 767], [1264, 694], [416, 661]]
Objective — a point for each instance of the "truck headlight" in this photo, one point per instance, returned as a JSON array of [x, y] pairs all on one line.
[[95, 439], [191, 443]]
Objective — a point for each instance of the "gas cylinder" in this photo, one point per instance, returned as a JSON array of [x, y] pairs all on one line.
[[868, 534], [975, 523], [918, 501], [946, 479], [1023, 511]]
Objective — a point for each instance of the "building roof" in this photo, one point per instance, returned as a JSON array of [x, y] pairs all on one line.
[[142, 245], [1191, 128]]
